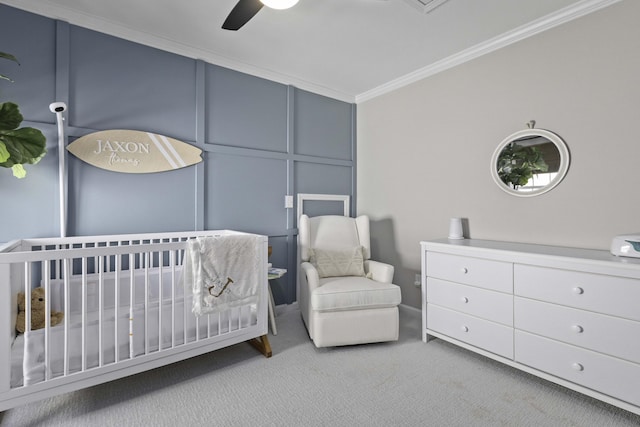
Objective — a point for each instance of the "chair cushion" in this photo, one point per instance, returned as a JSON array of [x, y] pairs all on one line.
[[333, 232], [350, 293], [337, 262]]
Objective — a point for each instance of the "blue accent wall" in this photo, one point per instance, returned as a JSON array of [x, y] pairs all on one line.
[[261, 140]]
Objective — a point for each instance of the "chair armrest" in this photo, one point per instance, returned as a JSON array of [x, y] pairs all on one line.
[[309, 281], [310, 272], [380, 272]]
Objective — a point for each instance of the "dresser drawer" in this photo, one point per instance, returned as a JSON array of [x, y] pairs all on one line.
[[494, 275], [608, 375], [484, 334], [617, 296], [490, 305], [611, 335]]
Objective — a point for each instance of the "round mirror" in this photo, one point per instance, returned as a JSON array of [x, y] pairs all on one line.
[[530, 162]]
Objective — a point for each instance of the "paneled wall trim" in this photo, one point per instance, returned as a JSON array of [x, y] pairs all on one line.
[[261, 140]]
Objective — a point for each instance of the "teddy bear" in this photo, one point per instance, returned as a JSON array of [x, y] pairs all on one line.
[[37, 311]]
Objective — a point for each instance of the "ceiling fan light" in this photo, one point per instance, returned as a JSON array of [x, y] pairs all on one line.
[[279, 4]]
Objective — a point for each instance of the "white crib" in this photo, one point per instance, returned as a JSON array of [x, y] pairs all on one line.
[[125, 311]]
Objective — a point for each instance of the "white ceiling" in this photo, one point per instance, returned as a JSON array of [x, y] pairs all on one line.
[[351, 50]]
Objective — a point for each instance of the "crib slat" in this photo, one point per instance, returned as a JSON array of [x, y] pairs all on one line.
[[100, 309], [67, 306], [116, 306], [27, 317], [47, 317], [144, 260], [132, 282], [160, 299], [84, 314], [198, 328], [208, 325], [184, 306], [27, 299], [6, 338], [173, 298]]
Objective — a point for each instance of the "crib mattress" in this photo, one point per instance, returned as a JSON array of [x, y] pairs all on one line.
[[28, 352]]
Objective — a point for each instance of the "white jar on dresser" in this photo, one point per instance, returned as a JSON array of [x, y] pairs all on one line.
[[571, 316]]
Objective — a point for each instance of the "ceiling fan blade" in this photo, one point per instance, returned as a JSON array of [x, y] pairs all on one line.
[[242, 12]]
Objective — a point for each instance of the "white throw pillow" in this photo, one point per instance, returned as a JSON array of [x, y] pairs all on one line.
[[337, 262]]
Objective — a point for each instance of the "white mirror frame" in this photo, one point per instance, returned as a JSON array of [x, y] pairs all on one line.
[[554, 138]]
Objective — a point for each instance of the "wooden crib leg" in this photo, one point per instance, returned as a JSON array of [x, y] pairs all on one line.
[[262, 344]]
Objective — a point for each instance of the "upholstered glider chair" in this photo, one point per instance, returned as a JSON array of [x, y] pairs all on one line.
[[345, 298]]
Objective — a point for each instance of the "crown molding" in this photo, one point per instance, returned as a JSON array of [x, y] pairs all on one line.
[[577, 10], [547, 22]]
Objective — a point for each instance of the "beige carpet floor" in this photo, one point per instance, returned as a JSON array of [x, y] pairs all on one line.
[[406, 383]]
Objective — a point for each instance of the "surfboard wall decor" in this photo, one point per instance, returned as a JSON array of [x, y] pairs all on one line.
[[132, 151]]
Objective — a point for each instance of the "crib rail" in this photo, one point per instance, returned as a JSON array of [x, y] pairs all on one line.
[[122, 301]]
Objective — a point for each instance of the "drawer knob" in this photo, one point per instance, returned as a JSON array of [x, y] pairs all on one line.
[[578, 290], [465, 329], [577, 329], [464, 270], [577, 366], [464, 300]]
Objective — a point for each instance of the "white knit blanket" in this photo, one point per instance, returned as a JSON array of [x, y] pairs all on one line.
[[222, 271]]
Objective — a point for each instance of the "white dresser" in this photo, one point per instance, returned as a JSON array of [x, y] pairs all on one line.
[[571, 316]]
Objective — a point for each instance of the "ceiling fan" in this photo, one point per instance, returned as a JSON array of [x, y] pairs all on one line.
[[244, 10]]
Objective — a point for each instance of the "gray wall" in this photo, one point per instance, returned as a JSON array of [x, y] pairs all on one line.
[[424, 150], [262, 140]]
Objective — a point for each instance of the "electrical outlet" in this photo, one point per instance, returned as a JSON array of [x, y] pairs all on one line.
[[418, 281], [288, 202]]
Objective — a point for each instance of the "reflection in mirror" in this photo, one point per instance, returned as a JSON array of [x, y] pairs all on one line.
[[530, 162]]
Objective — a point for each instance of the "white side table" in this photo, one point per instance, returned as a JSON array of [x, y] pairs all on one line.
[[274, 273]]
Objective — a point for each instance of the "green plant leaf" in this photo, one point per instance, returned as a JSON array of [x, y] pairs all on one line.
[[4, 154], [18, 146], [10, 117], [25, 145], [9, 57], [18, 171]]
